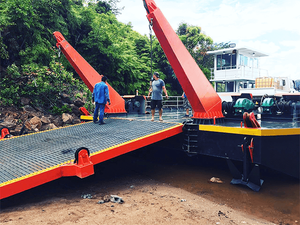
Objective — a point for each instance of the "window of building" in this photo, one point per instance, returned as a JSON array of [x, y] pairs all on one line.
[[246, 61], [255, 62], [219, 62], [226, 61], [220, 87], [230, 86], [233, 59]]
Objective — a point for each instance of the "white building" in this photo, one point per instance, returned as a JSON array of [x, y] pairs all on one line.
[[236, 68]]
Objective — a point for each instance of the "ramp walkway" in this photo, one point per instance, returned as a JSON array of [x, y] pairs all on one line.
[[31, 160]]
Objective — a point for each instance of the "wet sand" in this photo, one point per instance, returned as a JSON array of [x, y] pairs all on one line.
[[277, 202]]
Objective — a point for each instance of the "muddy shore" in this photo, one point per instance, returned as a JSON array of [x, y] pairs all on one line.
[[157, 190]]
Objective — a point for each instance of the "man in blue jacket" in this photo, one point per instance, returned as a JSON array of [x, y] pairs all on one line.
[[100, 97]]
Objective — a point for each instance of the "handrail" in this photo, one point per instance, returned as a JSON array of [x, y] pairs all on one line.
[[172, 102]]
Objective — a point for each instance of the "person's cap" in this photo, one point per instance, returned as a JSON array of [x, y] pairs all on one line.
[[156, 74]]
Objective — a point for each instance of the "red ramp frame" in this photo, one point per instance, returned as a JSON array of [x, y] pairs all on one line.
[[88, 74], [204, 100]]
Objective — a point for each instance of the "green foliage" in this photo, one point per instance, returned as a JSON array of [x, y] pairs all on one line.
[[10, 86], [43, 85], [197, 44], [27, 28], [106, 6], [61, 110], [3, 23], [30, 68], [115, 50]]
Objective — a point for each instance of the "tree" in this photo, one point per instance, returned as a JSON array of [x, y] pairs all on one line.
[[197, 43], [27, 33], [3, 24], [106, 6], [112, 48], [164, 68]]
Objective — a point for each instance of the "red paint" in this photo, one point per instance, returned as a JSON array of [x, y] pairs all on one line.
[[203, 98], [85, 164], [251, 147], [250, 120], [84, 111], [4, 132], [88, 74]]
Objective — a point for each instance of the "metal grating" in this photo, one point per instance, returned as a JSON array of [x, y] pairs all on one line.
[[27, 154]]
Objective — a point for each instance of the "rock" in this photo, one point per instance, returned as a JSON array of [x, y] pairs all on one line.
[[66, 98], [49, 126], [106, 198], [116, 199], [58, 121], [28, 108], [9, 124], [34, 119], [10, 116], [25, 101], [215, 180], [40, 109], [52, 126], [9, 119], [75, 110], [45, 120], [36, 123], [24, 116], [27, 125], [67, 118], [88, 196], [78, 102], [76, 121], [16, 131]]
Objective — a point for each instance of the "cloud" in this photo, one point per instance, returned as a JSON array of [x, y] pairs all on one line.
[[269, 26]]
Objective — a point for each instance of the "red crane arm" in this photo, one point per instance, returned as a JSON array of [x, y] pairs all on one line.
[[205, 102], [88, 74]]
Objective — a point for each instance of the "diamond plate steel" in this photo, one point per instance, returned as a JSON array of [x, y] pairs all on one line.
[[27, 154]]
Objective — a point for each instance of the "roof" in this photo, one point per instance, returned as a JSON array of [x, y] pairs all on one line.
[[244, 51]]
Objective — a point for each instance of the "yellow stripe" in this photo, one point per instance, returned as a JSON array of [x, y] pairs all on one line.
[[134, 140], [59, 128], [33, 174], [82, 117], [250, 131]]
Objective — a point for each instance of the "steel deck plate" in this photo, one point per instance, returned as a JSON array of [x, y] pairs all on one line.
[[24, 156]]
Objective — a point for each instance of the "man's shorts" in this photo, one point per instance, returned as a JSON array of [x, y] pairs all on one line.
[[186, 104], [157, 103]]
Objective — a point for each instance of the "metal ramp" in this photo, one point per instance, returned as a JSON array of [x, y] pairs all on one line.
[[31, 160]]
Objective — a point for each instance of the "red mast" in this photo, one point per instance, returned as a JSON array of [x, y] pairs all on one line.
[[205, 102], [88, 74]]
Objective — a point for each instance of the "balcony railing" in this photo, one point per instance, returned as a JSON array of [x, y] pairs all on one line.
[[240, 72], [174, 102]]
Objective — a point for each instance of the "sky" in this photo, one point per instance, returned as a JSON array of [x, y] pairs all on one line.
[[269, 26]]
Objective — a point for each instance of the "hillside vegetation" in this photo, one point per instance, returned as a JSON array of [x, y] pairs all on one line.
[[31, 67]]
